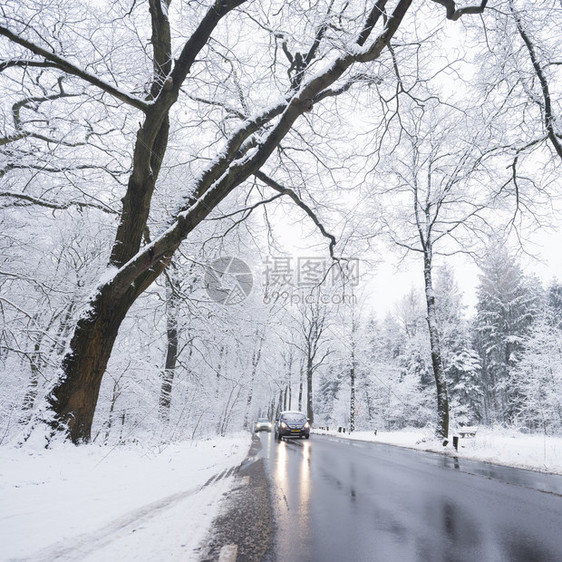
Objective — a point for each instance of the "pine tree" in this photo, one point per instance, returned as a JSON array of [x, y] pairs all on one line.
[[538, 377], [507, 305], [460, 360]]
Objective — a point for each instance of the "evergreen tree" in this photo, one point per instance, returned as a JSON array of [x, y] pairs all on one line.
[[554, 304], [460, 360], [507, 305], [538, 377]]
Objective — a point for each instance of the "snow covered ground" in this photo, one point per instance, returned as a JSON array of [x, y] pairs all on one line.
[[500, 446], [94, 503]]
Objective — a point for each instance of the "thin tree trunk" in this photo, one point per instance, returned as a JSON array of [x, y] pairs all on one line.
[[171, 353], [352, 374], [31, 393], [309, 373], [368, 402], [288, 368], [436, 359], [256, 356], [352, 396], [300, 392], [114, 395]]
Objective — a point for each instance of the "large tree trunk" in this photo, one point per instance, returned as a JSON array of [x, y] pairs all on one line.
[[73, 400]]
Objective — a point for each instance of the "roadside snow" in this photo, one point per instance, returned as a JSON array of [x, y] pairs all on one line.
[[499, 446], [98, 503]]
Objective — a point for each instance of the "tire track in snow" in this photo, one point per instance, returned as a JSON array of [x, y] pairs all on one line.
[[80, 546]]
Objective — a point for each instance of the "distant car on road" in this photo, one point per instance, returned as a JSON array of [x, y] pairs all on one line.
[[292, 424], [263, 424]]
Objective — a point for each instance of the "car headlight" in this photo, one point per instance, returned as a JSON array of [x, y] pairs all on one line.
[[307, 425], [283, 425]]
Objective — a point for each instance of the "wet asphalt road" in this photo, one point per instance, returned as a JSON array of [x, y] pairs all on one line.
[[341, 501]]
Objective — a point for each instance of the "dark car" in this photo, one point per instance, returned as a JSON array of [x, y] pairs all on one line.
[[292, 424]]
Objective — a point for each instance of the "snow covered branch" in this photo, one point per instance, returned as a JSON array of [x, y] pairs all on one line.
[[66, 66]]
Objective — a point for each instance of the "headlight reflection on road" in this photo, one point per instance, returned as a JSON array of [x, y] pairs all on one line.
[[270, 445], [305, 481], [294, 479], [306, 451], [281, 466]]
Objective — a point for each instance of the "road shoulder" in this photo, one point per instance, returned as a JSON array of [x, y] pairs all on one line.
[[244, 529]]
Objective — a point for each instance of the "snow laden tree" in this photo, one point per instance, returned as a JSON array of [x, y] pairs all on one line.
[[537, 378], [508, 304], [158, 69], [353, 364], [554, 304], [395, 385], [434, 205], [414, 395], [45, 280], [313, 319], [380, 386], [461, 363], [337, 399], [519, 84]]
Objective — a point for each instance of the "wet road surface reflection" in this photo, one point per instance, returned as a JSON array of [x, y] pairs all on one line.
[[339, 501]]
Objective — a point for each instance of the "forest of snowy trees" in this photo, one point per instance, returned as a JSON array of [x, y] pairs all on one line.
[[142, 141], [502, 364]]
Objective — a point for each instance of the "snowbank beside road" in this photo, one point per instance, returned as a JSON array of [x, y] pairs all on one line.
[[96, 503], [500, 446]]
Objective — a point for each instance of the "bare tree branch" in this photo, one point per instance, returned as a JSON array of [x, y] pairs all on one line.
[[300, 203], [69, 68], [56, 206], [26, 102], [454, 14]]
